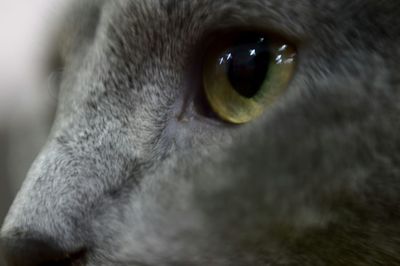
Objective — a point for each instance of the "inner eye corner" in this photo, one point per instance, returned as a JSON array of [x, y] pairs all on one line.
[[243, 72]]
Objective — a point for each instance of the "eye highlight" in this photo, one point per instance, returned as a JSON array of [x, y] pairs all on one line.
[[246, 74]]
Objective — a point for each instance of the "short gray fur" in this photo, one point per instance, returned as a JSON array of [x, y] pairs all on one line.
[[136, 179]]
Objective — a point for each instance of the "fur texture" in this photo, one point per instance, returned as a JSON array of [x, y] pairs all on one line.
[[134, 175]]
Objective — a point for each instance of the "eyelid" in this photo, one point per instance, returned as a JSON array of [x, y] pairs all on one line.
[[248, 19]]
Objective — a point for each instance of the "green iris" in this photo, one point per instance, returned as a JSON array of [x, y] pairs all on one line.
[[245, 75]]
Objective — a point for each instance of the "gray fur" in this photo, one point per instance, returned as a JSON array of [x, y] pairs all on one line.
[[135, 176]]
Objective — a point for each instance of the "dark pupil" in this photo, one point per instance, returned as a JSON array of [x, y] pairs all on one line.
[[248, 64]]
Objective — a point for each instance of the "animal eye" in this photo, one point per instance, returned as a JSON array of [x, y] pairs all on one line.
[[245, 75]]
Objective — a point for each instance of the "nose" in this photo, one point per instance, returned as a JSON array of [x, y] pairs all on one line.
[[32, 249]]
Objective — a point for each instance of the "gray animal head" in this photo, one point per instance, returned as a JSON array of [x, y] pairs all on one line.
[[134, 173]]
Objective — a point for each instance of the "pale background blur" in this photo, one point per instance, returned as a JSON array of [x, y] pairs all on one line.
[[26, 103]]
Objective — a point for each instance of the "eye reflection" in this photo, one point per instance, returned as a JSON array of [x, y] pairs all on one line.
[[246, 75]]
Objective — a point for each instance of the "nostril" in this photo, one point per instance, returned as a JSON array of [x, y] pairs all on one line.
[[21, 250], [67, 260]]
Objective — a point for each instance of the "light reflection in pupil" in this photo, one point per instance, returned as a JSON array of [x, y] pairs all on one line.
[[247, 65]]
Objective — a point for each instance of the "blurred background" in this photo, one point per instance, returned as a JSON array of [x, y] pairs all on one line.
[[26, 102]]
